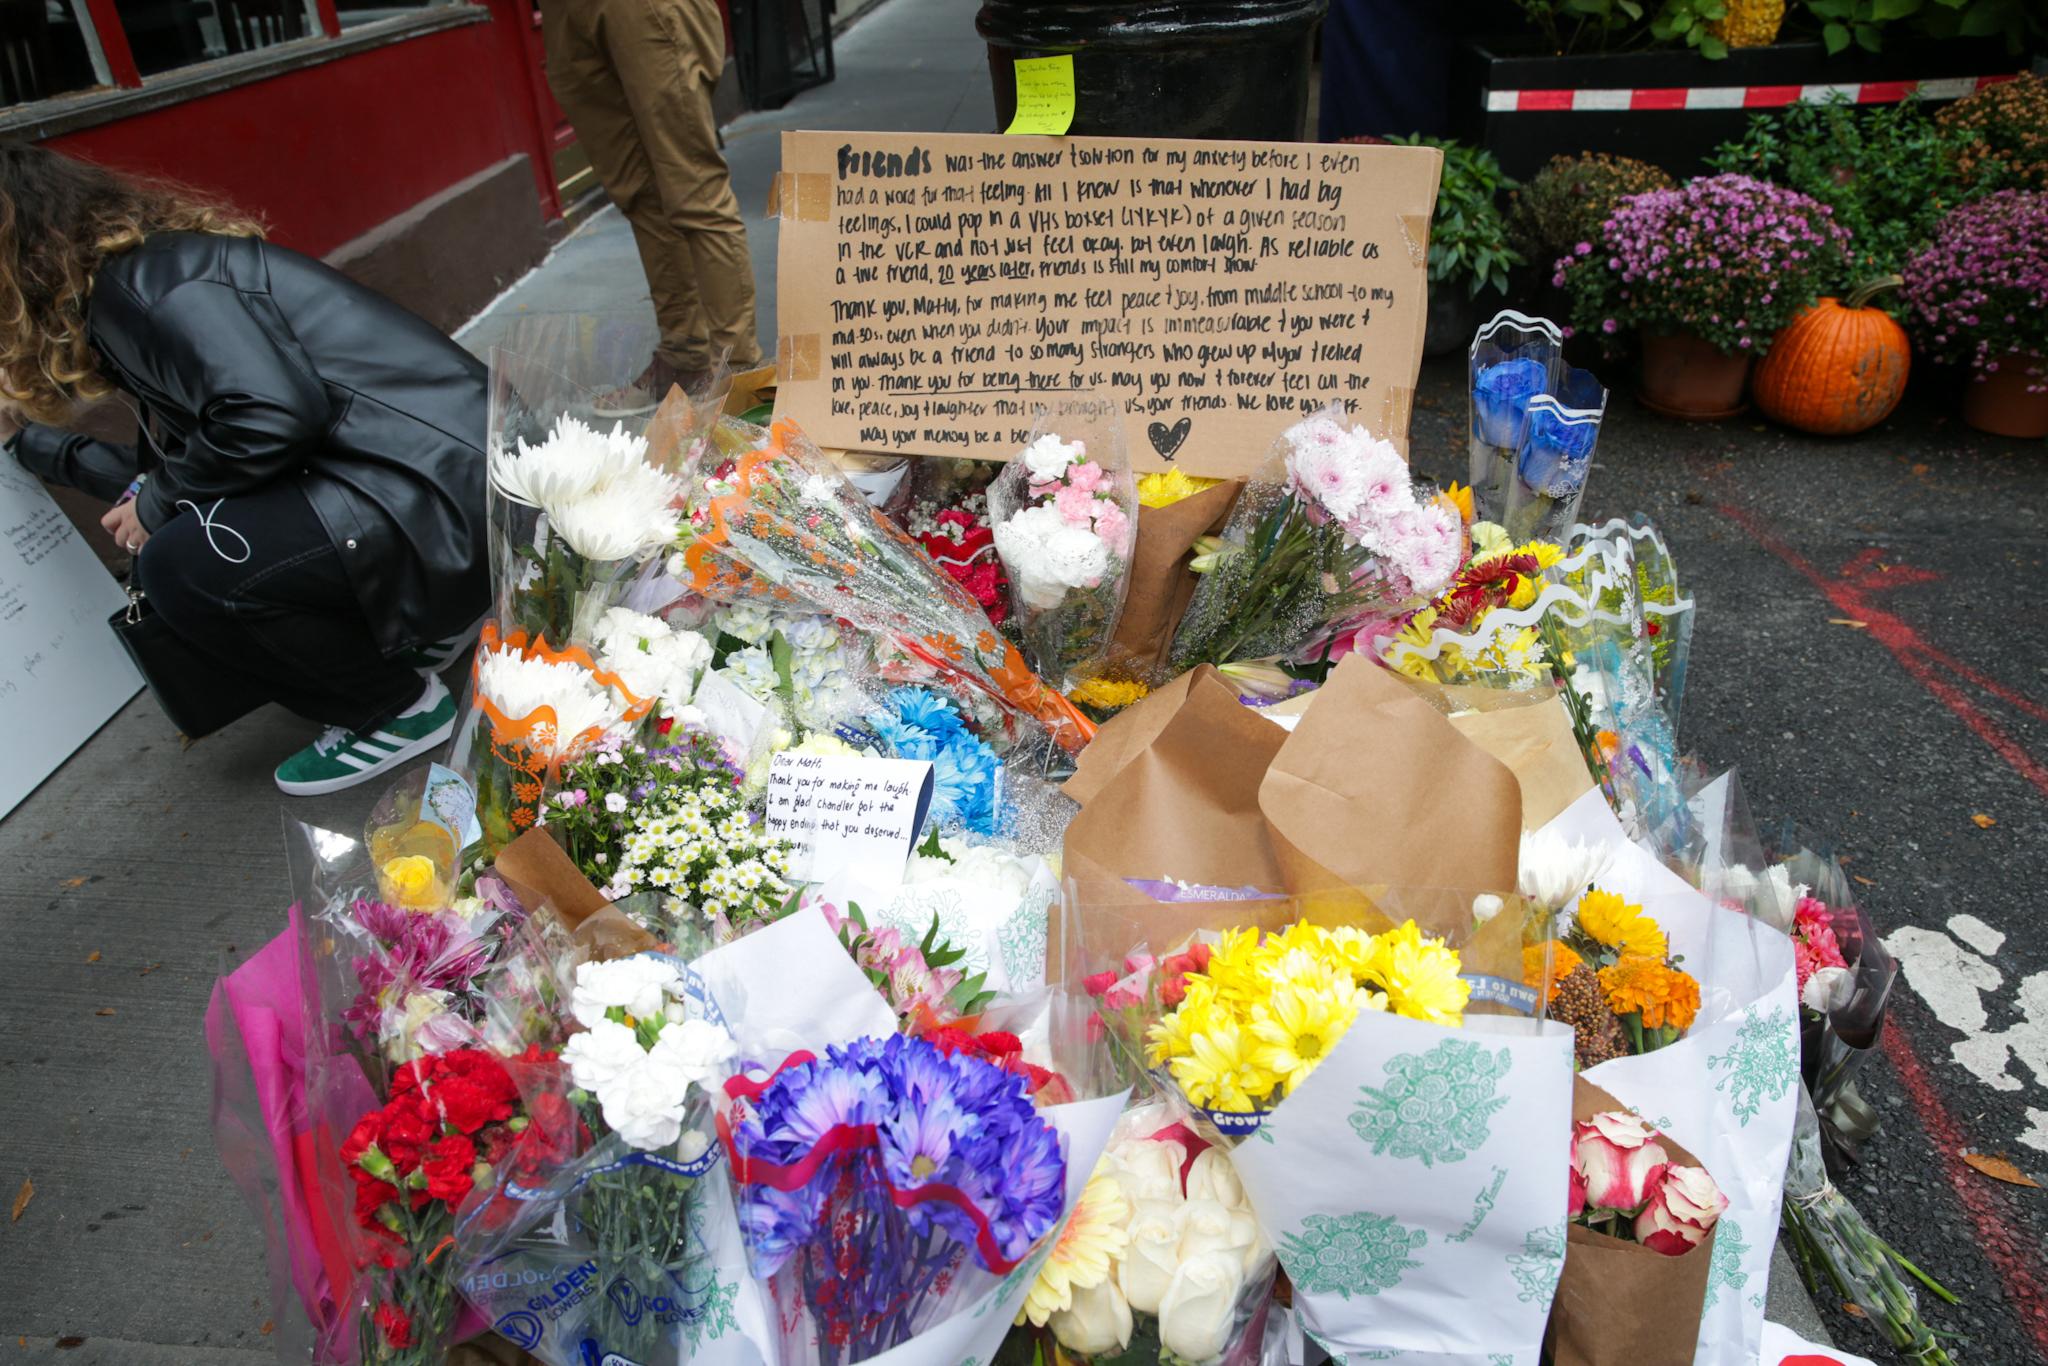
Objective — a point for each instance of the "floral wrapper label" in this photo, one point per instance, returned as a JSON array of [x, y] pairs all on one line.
[[731, 713], [1728, 1090], [1445, 1240], [852, 816], [450, 802], [1167, 889]]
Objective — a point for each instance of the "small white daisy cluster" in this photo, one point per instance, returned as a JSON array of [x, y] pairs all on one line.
[[699, 843]]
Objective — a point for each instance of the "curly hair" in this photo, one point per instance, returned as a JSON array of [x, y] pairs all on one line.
[[60, 220]]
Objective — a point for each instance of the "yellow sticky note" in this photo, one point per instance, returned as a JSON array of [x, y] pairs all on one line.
[[1045, 95]]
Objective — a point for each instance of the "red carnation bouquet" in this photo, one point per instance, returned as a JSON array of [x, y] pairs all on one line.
[[451, 1120]]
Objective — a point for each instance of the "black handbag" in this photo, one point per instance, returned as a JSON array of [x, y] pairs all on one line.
[[199, 695]]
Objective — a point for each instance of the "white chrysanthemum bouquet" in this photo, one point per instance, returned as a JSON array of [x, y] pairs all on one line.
[[573, 518]]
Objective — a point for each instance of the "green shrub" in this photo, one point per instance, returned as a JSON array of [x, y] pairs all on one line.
[[1468, 236], [1565, 203]]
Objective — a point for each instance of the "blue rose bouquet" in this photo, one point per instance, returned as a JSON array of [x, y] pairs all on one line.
[[884, 1186], [1535, 422]]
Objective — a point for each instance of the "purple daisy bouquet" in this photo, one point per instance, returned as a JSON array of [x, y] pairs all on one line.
[[1978, 295], [886, 1185], [1726, 258]]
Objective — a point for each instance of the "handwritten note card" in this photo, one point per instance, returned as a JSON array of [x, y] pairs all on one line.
[[938, 289], [62, 672], [1045, 95], [851, 816]]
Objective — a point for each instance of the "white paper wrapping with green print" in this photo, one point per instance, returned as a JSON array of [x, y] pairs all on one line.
[[1001, 935], [1729, 1089], [1414, 1188]]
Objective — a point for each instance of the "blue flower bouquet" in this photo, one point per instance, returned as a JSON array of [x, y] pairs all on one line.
[[1535, 421], [885, 1187]]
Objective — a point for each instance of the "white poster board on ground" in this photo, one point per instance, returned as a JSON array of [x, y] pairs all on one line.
[[62, 672]]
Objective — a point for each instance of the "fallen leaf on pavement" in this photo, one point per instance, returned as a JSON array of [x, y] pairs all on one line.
[[1853, 1311], [104, 1010], [1982, 821], [1999, 1168], [148, 970], [93, 957], [1848, 622], [22, 1197], [76, 881], [1919, 469], [65, 1344], [269, 1326], [1864, 880]]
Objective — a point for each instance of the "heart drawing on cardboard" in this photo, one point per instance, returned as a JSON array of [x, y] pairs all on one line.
[[1166, 440]]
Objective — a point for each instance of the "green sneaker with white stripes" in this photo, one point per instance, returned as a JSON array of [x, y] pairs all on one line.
[[341, 758]]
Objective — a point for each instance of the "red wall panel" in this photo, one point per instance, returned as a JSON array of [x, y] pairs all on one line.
[[328, 152]]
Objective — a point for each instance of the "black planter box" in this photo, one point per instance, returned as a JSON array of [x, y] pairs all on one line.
[[1674, 108]]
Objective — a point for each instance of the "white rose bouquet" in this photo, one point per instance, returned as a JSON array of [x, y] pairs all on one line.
[[1065, 518], [1162, 1258]]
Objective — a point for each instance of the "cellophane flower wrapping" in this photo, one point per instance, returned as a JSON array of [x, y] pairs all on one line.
[[1330, 532], [896, 1199], [1727, 1090], [610, 1238], [388, 998], [1535, 421], [577, 505], [774, 524], [1445, 1238], [1163, 1256], [1065, 517], [533, 707], [1840, 1255]]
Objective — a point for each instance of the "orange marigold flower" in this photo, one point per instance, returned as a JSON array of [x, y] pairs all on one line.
[[1647, 987], [1561, 963]]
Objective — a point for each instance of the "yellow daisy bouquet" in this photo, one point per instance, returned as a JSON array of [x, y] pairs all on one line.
[[1268, 1007], [1613, 978]]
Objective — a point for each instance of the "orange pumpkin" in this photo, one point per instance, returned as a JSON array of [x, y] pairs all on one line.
[[1838, 368]]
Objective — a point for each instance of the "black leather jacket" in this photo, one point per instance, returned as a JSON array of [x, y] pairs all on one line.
[[254, 364]]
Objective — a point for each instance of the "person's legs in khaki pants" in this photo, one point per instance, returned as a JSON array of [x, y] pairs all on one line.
[[635, 78]]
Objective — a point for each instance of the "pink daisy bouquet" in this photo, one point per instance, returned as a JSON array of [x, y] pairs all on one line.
[[1065, 518], [1335, 532]]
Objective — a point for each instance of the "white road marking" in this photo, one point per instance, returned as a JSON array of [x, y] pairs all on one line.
[[1948, 977], [1978, 935], [1955, 982]]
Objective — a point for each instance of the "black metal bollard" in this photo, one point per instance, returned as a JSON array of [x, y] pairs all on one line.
[[1164, 68]]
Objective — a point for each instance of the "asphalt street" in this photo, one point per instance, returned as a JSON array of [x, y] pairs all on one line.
[[1870, 658]]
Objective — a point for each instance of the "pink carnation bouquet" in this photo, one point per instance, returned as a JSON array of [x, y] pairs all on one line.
[[1332, 535]]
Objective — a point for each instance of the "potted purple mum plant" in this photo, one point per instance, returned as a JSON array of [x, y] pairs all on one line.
[[1977, 296], [1706, 275]]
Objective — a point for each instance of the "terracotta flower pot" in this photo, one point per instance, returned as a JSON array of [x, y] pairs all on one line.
[[1687, 376], [1997, 401]]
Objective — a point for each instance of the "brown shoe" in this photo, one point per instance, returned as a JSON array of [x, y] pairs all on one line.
[[646, 392]]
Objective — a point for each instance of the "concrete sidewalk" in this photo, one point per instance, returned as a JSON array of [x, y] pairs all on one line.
[[141, 869], [909, 65]]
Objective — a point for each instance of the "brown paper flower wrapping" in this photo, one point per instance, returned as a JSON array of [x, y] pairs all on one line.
[[1161, 582], [1619, 1303]]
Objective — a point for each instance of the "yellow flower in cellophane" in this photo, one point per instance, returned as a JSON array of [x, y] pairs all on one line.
[[1168, 487], [1613, 923], [1269, 1008]]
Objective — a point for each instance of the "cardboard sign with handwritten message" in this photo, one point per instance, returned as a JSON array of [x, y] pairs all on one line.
[[936, 289]]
